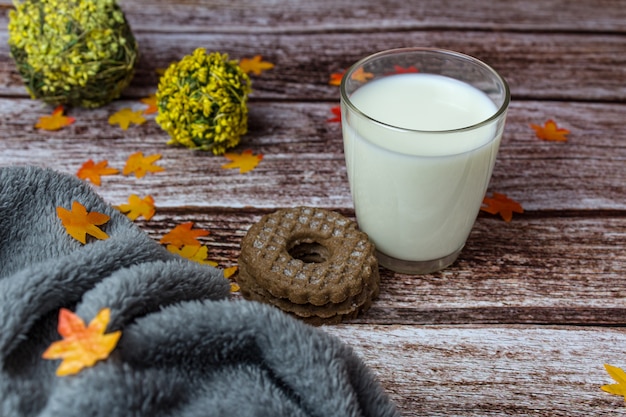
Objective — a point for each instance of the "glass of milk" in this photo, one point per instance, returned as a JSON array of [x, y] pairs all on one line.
[[421, 130]]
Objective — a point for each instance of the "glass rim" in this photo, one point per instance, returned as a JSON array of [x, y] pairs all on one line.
[[501, 110]]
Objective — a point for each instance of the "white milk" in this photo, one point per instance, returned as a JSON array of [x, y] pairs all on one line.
[[417, 193]]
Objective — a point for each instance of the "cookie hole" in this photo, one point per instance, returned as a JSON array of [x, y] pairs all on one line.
[[310, 252]]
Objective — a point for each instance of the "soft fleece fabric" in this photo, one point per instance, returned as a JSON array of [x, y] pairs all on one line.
[[185, 350]]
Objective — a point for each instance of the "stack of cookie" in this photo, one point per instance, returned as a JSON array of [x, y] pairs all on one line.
[[310, 262]]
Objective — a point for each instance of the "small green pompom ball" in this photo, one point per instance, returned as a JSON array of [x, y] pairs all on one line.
[[202, 101], [75, 52]]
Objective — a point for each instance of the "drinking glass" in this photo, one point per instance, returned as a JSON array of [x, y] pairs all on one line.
[[421, 131]]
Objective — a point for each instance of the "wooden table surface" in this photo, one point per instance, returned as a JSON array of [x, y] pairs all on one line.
[[523, 322]]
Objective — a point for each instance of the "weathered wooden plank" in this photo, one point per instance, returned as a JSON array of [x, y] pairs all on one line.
[[492, 371], [537, 66], [559, 270], [303, 162], [329, 15]]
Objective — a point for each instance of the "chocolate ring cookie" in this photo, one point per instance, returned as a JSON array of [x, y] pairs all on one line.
[[311, 262]]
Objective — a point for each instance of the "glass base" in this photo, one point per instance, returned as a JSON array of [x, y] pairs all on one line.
[[416, 267]]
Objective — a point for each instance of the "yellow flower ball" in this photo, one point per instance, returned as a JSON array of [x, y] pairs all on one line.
[[202, 101], [75, 52]]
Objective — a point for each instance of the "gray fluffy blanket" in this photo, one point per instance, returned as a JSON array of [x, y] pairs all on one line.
[[185, 350]]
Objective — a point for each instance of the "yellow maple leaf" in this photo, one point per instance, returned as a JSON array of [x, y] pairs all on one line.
[[230, 271], [550, 131], [151, 102], [620, 377], [138, 207], [79, 223], [126, 116], [255, 65], [193, 253], [245, 161], [92, 171], [183, 235], [234, 287], [81, 346], [55, 121], [140, 165]]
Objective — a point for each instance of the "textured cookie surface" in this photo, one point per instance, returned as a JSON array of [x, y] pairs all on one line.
[[311, 262]]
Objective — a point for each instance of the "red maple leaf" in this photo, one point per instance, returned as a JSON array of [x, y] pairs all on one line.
[[397, 69], [335, 78], [337, 115]]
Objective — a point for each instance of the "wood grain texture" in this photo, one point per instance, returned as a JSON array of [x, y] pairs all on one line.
[[533, 270], [537, 66], [268, 16], [301, 147], [492, 371]]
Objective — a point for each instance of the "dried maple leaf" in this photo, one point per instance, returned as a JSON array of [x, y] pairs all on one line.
[[138, 207], [256, 65], [79, 223], [55, 121], [550, 131], [183, 235], [500, 203], [81, 346], [337, 115], [335, 78], [620, 377], [360, 75], [193, 253], [151, 102], [92, 171], [126, 116], [140, 165], [245, 161]]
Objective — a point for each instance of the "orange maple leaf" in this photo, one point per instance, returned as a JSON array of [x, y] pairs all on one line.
[[138, 207], [140, 165], [55, 121], [79, 223], [245, 161], [151, 102], [92, 171], [550, 131], [81, 346], [256, 65], [183, 235], [500, 203], [360, 75], [125, 117], [337, 114], [335, 78], [193, 253]]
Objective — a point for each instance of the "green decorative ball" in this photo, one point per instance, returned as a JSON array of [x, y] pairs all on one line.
[[74, 52], [202, 101]]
